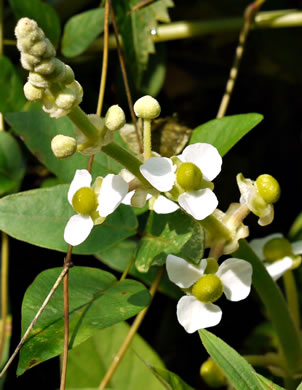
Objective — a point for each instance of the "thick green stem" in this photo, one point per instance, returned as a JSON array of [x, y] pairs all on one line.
[[292, 297], [81, 120], [271, 296]]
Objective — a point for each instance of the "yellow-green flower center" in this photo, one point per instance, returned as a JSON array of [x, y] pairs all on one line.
[[276, 249], [84, 201], [189, 176], [208, 288], [268, 188]]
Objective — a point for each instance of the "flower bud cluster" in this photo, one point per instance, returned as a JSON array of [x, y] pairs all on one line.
[[50, 81]]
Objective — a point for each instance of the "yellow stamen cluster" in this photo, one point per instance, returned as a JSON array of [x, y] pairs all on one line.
[[208, 288], [84, 201]]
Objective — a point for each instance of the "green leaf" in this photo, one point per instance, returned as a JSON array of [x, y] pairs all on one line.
[[153, 78], [42, 13], [168, 379], [81, 30], [37, 130], [176, 233], [88, 363], [295, 232], [224, 133], [269, 385], [118, 257], [39, 217], [300, 386], [12, 167], [135, 26], [11, 88], [96, 301], [238, 371]]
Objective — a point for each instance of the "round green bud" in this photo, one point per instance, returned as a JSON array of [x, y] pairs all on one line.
[[63, 146], [212, 375], [147, 107], [212, 266], [208, 288], [188, 176], [33, 93], [115, 118], [84, 201], [276, 249], [268, 188]]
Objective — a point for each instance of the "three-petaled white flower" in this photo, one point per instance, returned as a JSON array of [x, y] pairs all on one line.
[[190, 178], [93, 205], [233, 275], [279, 266]]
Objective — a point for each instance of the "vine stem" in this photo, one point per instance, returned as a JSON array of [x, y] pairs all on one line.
[[124, 347], [32, 324], [4, 290], [292, 297], [125, 77], [249, 16]]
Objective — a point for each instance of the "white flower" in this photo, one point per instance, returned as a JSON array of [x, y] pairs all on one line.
[[279, 266], [235, 276], [93, 204], [162, 175]]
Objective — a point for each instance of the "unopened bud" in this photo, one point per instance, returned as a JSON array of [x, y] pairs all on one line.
[[212, 374], [63, 146], [66, 99], [48, 66], [115, 118], [147, 107], [33, 93]]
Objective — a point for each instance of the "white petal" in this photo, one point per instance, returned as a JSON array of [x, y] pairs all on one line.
[[77, 229], [200, 204], [297, 247], [82, 178], [278, 268], [113, 190], [236, 277], [258, 243], [127, 198], [160, 173], [182, 273], [206, 157], [162, 205], [193, 314]]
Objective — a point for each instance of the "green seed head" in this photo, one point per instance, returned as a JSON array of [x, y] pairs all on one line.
[[212, 374], [276, 249], [268, 188], [208, 288], [189, 176], [84, 201]]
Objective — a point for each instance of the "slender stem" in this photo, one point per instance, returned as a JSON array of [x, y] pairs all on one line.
[[292, 297], [141, 4], [37, 316], [269, 359], [249, 17], [1, 54], [124, 347], [105, 61], [127, 269], [272, 298], [4, 290], [125, 77], [67, 265], [147, 139]]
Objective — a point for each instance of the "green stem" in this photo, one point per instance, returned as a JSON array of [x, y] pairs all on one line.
[[271, 296], [4, 291], [81, 120], [292, 296], [147, 139], [270, 359]]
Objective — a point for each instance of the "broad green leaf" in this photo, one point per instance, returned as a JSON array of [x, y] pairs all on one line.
[[11, 88], [96, 301], [300, 386], [12, 167], [168, 379], [42, 13], [88, 363], [118, 257], [39, 217], [176, 233], [238, 371], [268, 384], [295, 232], [153, 78], [135, 26], [81, 30], [224, 133], [37, 130]]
